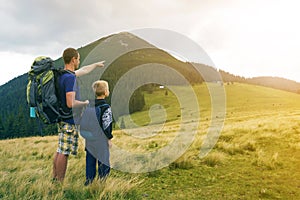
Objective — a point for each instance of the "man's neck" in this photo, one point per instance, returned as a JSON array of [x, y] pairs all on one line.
[[69, 67]]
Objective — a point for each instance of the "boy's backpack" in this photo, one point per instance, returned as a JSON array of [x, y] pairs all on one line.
[[43, 91], [91, 130], [90, 122]]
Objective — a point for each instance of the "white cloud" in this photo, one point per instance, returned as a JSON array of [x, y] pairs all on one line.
[[13, 64], [248, 38]]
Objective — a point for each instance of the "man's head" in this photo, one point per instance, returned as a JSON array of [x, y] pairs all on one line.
[[101, 88], [71, 57]]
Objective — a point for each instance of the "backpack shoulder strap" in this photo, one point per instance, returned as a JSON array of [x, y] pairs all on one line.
[[58, 73]]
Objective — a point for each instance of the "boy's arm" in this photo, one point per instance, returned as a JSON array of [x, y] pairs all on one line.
[[108, 132], [109, 143], [88, 68]]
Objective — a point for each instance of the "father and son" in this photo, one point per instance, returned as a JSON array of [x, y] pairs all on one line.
[[68, 132]]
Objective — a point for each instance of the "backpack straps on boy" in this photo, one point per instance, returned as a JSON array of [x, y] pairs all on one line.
[[99, 113]]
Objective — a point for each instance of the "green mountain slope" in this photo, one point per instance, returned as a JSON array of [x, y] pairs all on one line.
[[122, 52]]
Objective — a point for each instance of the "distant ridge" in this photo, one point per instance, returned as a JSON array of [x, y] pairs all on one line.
[[276, 82], [266, 81]]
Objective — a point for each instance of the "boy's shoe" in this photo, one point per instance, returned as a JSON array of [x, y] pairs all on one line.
[[88, 182]]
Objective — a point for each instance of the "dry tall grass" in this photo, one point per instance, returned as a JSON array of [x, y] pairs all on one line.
[[257, 155]]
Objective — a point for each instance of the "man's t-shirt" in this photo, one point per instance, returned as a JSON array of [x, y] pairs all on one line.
[[67, 83]]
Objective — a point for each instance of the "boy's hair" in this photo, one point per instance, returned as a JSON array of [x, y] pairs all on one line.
[[68, 54], [99, 87]]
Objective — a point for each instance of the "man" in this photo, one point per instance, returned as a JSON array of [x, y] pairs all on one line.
[[69, 91]]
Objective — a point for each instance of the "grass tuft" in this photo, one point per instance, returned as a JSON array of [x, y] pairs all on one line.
[[266, 161], [214, 159]]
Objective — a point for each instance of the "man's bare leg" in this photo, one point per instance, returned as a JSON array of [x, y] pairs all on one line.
[[61, 166], [54, 166]]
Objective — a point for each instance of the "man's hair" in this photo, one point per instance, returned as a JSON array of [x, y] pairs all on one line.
[[99, 87], [68, 54]]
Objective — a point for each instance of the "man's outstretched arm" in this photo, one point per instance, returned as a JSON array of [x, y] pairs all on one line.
[[88, 68]]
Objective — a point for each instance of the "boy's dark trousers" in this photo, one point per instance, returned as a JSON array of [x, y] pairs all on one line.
[[103, 170]]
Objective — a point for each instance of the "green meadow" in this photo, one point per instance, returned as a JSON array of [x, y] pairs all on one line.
[[257, 155]]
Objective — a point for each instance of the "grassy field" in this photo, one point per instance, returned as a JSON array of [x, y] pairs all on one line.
[[257, 155]]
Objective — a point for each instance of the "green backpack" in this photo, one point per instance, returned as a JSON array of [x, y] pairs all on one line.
[[43, 91]]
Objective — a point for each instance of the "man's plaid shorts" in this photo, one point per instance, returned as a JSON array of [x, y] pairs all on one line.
[[67, 138]]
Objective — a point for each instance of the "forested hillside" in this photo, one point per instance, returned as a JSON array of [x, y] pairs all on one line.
[[15, 120]]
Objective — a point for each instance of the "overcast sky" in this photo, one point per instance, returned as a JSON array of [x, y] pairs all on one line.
[[244, 37]]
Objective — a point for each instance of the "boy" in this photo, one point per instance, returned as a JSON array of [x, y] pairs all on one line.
[[98, 148]]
